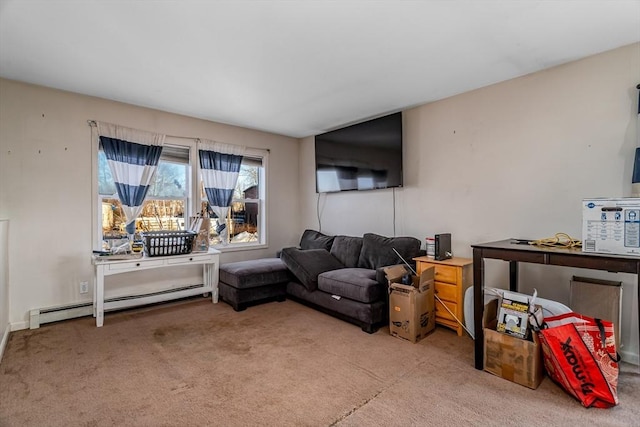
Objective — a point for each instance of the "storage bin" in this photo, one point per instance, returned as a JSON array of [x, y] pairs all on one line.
[[168, 242]]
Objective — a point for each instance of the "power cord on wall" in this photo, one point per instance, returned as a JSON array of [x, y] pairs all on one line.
[[318, 213], [394, 212]]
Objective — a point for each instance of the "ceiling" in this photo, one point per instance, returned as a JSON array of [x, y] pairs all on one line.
[[302, 67]]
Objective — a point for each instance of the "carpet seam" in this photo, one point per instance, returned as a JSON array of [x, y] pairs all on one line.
[[366, 401]]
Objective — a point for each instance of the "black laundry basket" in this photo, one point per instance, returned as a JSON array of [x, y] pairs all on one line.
[[168, 242]]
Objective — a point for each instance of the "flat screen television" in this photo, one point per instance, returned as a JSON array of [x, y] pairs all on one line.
[[363, 156]]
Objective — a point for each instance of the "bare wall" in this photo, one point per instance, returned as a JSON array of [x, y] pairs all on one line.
[[513, 159], [4, 285], [45, 186]]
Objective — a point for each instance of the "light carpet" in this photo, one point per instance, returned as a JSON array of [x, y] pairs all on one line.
[[194, 363]]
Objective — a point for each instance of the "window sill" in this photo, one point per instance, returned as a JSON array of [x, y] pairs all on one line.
[[240, 247]]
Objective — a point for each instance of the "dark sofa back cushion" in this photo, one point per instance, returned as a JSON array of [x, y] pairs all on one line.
[[312, 239], [307, 264], [347, 250], [377, 251]]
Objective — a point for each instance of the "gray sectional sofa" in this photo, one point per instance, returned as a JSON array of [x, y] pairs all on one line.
[[343, 275]]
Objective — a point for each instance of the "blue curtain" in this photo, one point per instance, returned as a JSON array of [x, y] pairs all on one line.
[[133, 158], [220, 167]]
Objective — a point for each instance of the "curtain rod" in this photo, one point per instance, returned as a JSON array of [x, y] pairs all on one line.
[[94, 123]]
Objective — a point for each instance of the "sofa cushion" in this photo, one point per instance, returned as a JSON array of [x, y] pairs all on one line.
[[347, 250], [254, 273], [377, 251], [315, 240], [358, 284], [307, 264]]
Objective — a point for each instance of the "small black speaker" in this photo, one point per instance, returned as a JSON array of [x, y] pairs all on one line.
[[443, 246]]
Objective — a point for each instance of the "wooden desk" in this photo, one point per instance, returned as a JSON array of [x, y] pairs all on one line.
[[514, 253], [105, 267]]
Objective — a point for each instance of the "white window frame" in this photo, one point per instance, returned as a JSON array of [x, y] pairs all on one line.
[[194, 197], [262, 206]]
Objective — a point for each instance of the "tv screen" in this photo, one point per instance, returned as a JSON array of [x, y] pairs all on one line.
[[364, 156]]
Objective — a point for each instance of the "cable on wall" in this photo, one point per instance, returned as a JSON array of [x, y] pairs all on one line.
[[318, 213], [394, 211]]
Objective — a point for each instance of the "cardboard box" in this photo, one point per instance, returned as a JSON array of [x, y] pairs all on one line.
[[611, 226], [395, 273], [509, 357], [412, 314]]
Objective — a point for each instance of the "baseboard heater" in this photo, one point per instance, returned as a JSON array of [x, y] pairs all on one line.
[[39, 316]]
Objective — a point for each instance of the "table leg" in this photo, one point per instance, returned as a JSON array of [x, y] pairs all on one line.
[[638, 292], [215, 271], [513, 276], [478, 306], [99, 297], [95, 287]]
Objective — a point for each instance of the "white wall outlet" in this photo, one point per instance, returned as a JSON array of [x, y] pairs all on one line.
[[84, 287]]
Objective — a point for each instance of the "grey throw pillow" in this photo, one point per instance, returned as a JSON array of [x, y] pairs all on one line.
[[312, 239], [377, 251], [307, 264], [347, 250]]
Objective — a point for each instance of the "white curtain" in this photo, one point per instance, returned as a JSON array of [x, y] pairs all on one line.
[[220, 166], [132, 156]]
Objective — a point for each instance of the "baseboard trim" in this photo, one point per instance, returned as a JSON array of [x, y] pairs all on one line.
[[629, 357], [18, 326], [5, 339]]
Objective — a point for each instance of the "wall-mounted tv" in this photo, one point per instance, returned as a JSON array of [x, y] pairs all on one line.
[[363, 156]]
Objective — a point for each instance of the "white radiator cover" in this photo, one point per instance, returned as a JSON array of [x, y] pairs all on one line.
[[600, 299], [39, 316]]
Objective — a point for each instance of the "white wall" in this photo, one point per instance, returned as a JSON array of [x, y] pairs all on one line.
[[510, 160], [4, 285], [45, 186]]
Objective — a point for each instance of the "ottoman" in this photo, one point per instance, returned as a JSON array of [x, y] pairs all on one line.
[[246, 283]]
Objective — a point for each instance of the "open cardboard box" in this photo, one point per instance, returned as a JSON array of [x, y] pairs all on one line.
[[512, 358], [411, 307]]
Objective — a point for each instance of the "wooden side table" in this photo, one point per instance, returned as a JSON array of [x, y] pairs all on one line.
[[453, 277]]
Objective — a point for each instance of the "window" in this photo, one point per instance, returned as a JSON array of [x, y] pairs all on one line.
[[245, 218], [166, 204], [172, 199]]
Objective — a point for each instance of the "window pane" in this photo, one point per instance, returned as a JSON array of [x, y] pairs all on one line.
[[156, 215], [244, 224], [170, 181], [105, 180], [242, 220], [113, 220], [247, 186]]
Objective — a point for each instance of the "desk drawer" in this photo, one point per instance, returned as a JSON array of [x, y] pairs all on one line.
[[446, 291], [187, 259], [445, 273], [135, 264]]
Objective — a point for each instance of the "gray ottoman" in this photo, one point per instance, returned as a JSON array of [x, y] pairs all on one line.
[[246, 283]]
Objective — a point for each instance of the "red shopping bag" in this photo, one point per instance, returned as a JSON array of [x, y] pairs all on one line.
[[579, 353]]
